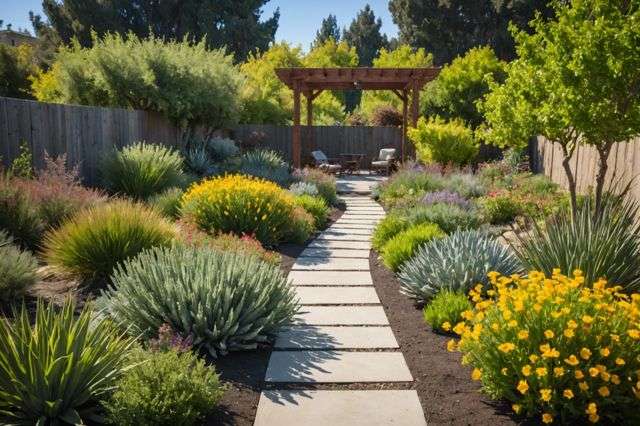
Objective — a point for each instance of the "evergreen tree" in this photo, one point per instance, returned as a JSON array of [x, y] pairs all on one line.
[[364, 34], [328, 29], [449, 28], [232, 23]]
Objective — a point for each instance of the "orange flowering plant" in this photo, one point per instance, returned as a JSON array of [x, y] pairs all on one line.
[[241, 205], [555, 347]]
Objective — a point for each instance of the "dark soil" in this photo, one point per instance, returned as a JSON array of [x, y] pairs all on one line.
[[444, 386], [243, 372]]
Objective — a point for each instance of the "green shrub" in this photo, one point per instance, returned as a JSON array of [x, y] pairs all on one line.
[[56, 370], [222, 149], [324, 182], [316, 207], [167, 387], [93, 242], [242, 205], [301, 226], [227, 301], [191, 236], [445, 310], [443, 142], [457, 263], [304, 188], [412, 183], [141, 170], [18, 216], [401, 248], [266, 164], [186, 82], [465, 184], [501, 209], [17, 269], [167, 202], [387, 228], [448, 217], [22, 165], [604, 246]]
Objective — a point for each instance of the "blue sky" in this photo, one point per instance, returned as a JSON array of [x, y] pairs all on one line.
[[299, 19]]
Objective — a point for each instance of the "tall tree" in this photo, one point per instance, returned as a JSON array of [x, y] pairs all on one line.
[[328, 29], [448, 28], [364, 34], [232, 23]]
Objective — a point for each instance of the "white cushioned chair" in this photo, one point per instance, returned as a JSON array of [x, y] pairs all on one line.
[[386, 161], [324, 163]]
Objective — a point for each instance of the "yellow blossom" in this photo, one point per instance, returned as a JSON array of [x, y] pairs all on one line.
[[585, 353], [592, 408], [476, 374], [579, 374], [523, 386], [548, 334], [587, 319], [446, 326], [593, 372], [526, 370], [568, 393], [541, 371], [516, 408], [620, 361], [604, 391], [451, 345], [506, 347], [572, 360], [605, 352], [523, 334], [615, 379], [545, 395], [584, 386], [568, 333], [558, 371], [547, 418]]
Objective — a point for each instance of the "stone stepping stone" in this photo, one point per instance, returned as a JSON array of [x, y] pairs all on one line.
[[375, 209], [336, 295], [330, 264], [362, 215], [342, 236], [341, 315], [325, 337], [341, 229], [337, 367], [330, 278], [351, 221], [351, 245], [340, 408], [345, 226], [320, 252]]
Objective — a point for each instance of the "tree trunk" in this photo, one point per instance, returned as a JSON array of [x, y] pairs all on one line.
[[603, 157], [566, 160]]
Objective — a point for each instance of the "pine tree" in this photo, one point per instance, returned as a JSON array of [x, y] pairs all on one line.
[[328, 29], [364, 34], [235, 24]]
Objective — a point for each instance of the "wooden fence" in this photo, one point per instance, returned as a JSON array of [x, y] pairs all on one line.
[[624, 164], [86, 133]]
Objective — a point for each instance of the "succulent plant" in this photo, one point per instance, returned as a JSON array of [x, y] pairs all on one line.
[[266, 164], [222, 149], [457, 263], [226, 301], [304, 188], [446, 197]]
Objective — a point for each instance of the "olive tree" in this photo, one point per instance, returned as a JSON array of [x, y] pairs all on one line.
[[576, 81]]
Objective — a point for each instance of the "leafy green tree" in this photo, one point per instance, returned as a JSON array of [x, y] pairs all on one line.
[[403, 56], [188, 83], [328, 29], [364, 34], [448, 28], [16, 69], [576, 81], [235, 24], [453, 94]]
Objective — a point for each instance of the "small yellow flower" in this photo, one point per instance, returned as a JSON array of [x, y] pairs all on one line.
[[587, 319], [523, 334], [585, 353], [579, 374], [516, 408], [568, 393], [572, 324], [548, 334], [545, 395], [615, 379], [620, 361], [506, 347], [523, 386], [604, 391], [605, 352], [451, 345], [446, 326], [533, 358], [476, 374], [593, 372], [593, 418], [558, 371], [526, 370], [547, 418], [568, 333], [504, 371], [572, 360], [592, 408], [541, 371], [583, 386], [634, 334]]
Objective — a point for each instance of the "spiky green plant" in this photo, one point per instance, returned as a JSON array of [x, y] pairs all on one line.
[[456, 263], [401, 248], [167, 202], [316, 207], [605, 245], [56, 370], [17, 269], [446, 307], [266, 164], [142, 169], [93, 242], [226, 301], [447, 217]]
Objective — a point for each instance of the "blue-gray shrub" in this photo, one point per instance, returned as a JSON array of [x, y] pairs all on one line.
[[266, 164], [304, 188], [457, 263]]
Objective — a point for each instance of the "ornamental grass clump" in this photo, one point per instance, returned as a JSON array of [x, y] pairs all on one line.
[[324, 182], [241, 205], [18, 269], [142, 169], [402, 247], [92, 243], [266, 164], [407, 183], [226, 301], [456, 263], [388, 228], [56, 370], [447, 216], [445, 310], [316, 207], [556, 348]]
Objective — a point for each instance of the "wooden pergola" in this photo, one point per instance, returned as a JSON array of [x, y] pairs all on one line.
[[406, 83]]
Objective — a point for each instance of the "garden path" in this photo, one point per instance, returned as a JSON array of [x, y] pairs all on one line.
[[322, 367]]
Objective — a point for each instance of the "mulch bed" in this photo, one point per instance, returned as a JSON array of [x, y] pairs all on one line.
[[444, 386], [243, 372]]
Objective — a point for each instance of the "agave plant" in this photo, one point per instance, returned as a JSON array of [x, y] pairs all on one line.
[[457, 263], [56, 370], [602, 246], [226, 301], [266, 164], [304, 188], [222, 149]]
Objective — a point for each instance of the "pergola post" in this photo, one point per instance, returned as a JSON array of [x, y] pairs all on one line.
[[415, 101], [309, 130], [296, 145], [405, 108]]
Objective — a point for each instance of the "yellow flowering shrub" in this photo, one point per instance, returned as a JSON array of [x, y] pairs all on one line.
[[556, 348], [241, 205]]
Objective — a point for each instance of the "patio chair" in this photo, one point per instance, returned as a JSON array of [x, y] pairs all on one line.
[[386, 161], [324, 163]]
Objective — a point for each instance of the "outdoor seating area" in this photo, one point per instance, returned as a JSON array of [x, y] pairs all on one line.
[[260, 214]]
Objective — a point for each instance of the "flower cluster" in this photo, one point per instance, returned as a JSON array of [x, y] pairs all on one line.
[[168, 339], [240, 205], [446, 197], [555, 347]]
